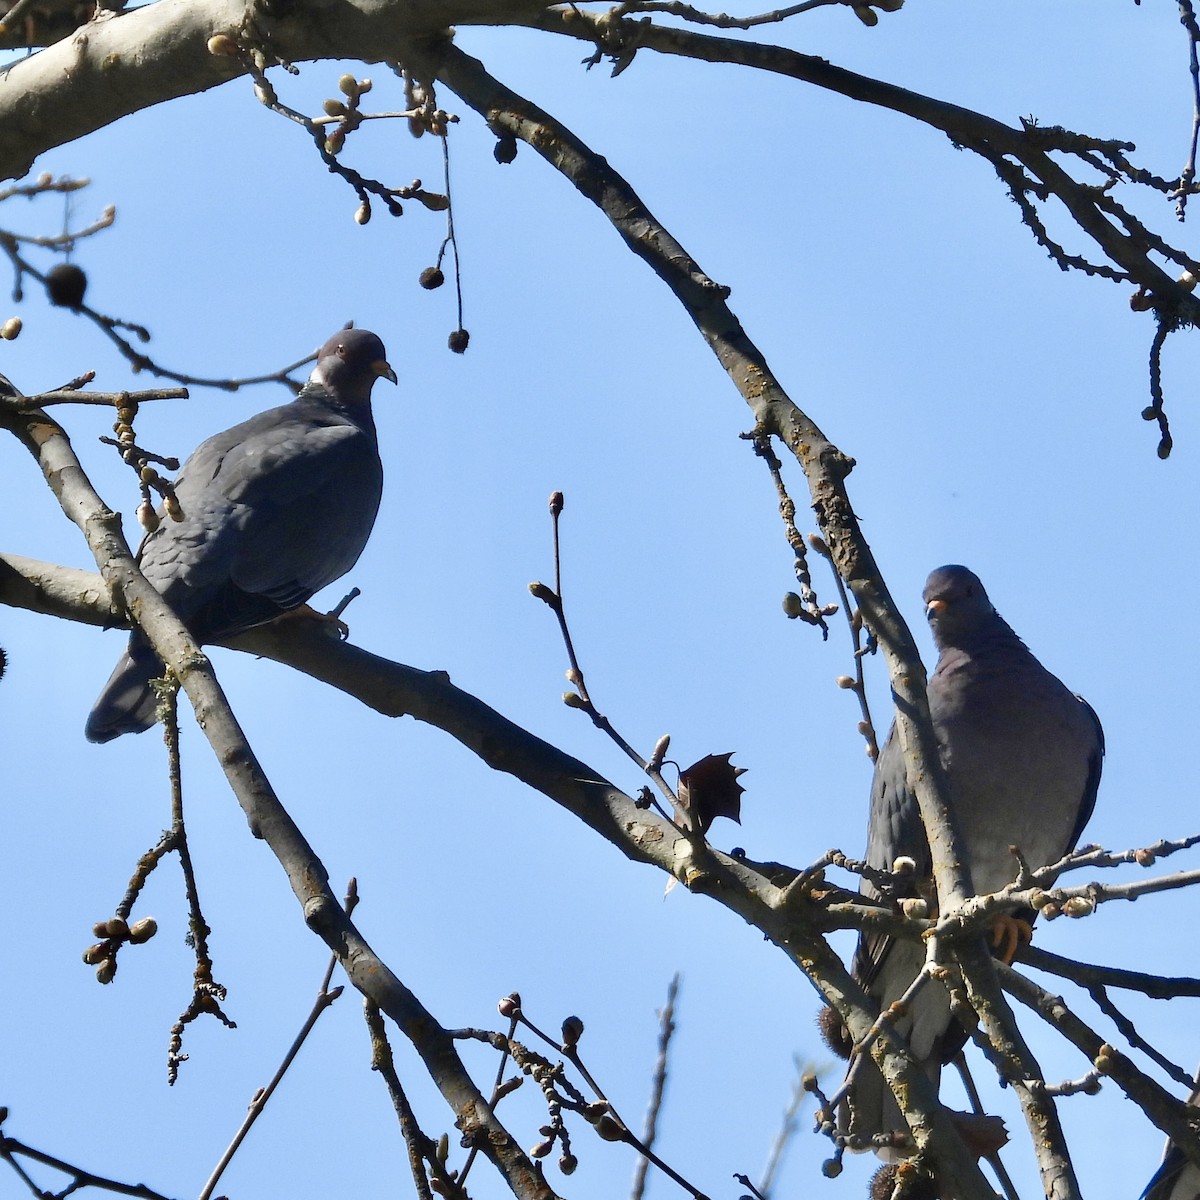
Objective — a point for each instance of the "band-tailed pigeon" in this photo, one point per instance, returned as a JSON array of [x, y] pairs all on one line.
[[273, 510], [1022, 756]]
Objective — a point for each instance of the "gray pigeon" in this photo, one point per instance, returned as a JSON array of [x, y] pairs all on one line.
[[273, 510], [1022, 756]]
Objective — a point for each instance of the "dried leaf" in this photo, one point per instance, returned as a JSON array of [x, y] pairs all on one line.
[[709, 789]]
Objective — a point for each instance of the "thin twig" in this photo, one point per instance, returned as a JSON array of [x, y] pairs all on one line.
[[325, 997], [666, 1027]]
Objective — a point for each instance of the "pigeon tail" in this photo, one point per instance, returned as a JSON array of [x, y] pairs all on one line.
[[127, 704]]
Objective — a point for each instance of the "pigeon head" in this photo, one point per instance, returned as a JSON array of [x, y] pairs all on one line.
[[957, 607], [349, 363]]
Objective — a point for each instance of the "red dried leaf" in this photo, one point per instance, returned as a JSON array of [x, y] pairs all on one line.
[[709, 789]]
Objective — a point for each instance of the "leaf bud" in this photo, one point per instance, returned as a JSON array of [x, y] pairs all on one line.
[[143, 930], [95, 953], [594, 1111], [1079, 906], [866, 14], [362, 214], [431, 278], [793, 606], [115, 927], [847, 682], [574, 700], [364, 86], [173, 507], [442, 1153], [1051, 910], [334, 108], [348, 85], [106, 970], [915, 907], [609, 1130], [222, 44], [904, 865], [10, 329], [542, 1149], [1144, 858], [147, 517], [572, 1031], [539, 591]]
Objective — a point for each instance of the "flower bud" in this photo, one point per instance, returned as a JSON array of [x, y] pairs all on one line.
[[95, 953], [510, 1005], [143, 930], [1144, 858], [115, 927], [793, 606], [147, 517], [222, 44], [348, 85], [10, 329], [572, 1031], [334, 108], [847, 682], [1079, 906], [567, 1164], [609, 1130], [106, 970]]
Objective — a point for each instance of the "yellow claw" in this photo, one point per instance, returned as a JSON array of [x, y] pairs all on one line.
[[1008, 934]]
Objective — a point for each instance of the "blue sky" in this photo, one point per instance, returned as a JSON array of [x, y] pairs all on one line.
[[991, 403]]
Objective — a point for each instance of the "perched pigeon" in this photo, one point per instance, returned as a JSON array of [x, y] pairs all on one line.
[[273, 510], [1022, 756]]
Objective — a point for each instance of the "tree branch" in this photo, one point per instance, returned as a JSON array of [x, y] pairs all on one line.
[[118, 65], [265, 813]]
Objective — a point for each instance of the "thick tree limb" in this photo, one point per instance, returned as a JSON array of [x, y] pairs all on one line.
[[119, 65]]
